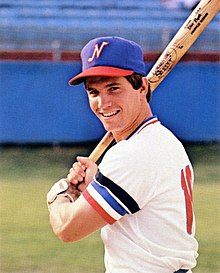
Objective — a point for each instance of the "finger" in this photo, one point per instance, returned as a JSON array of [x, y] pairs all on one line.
[[82, 165], [76, 172], [78, 167], [74, 178], [83, 161], [79, 172]]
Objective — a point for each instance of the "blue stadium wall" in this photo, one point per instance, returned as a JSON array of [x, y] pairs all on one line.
[[38, 106]]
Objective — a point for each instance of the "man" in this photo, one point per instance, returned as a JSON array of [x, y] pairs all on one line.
[[140, 195]]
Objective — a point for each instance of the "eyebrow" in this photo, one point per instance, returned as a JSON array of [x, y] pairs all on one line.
[[112, 84], [106, 86]]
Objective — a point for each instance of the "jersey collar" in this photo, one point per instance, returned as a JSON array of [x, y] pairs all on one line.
[[145, 123]]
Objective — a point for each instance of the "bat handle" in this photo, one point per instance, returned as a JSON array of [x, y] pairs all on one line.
[[101, 147]]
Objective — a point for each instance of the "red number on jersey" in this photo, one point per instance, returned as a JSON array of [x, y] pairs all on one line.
[[186, 182]]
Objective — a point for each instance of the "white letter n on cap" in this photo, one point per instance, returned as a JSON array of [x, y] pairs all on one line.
[[97, 51]]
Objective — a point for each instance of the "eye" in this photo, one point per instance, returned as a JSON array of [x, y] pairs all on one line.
[[93, 92], [113, 88]]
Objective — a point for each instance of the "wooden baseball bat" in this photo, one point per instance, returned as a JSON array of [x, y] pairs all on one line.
[[178, 46]]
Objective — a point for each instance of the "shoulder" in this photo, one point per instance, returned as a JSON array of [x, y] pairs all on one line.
[[124, 153], [153, 146]]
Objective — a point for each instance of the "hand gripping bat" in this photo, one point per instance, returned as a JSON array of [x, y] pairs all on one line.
[[178, 46]]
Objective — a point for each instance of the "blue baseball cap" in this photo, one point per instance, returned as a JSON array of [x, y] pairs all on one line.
[[111, 57]]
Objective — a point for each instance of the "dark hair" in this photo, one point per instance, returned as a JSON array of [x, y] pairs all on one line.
[[136, 81]]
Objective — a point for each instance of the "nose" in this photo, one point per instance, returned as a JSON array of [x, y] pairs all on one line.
[[104, 101]]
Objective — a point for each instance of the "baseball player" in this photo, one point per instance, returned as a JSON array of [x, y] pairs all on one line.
[[140, 195]]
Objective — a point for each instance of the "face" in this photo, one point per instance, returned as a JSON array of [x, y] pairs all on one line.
[[118, 106]]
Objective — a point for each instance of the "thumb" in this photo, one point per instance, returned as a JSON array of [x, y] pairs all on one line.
[[89, 167], [85, 161]]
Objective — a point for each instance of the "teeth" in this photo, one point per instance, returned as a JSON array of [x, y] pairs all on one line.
[[109, 114]]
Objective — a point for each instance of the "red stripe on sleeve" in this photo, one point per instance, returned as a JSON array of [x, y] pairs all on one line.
[[98, 208]]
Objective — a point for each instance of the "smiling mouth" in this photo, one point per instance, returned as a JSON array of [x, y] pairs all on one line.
[[110, 114]]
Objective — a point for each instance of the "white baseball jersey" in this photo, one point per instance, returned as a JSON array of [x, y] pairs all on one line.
[[144, 191]]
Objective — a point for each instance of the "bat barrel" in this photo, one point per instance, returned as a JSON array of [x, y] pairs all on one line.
[[183, 40]]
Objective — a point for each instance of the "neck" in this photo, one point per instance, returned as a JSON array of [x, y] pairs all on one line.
[[122, 135]]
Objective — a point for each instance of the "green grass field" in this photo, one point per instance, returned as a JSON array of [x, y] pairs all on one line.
[[27, 244]]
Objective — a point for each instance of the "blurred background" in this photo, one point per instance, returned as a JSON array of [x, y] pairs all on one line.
[[39, 51], [45, 124]]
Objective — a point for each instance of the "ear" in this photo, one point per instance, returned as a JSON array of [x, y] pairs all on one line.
[[144, 87]]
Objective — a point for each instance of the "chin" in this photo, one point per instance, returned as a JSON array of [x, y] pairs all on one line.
[[109, 127]]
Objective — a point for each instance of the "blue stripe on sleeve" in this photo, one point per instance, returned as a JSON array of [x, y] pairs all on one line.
[[108, 198], [120, 193]]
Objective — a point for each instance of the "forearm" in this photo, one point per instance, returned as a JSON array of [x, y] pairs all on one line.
[[59, 215], [71, 217], [61, 211], [61, 204], [72, 222]]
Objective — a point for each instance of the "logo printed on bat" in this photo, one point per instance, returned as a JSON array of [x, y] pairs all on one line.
[[171, 57], [195, 24], [200, 16], [165, 65]]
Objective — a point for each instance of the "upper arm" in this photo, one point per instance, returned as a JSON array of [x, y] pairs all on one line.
[[128, 167], [74, 221]]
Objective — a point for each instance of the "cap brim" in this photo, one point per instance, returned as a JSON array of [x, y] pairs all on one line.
[[97, 71]]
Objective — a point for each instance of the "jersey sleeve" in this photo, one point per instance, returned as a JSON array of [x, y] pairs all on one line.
[[110, 200], [119, 187]]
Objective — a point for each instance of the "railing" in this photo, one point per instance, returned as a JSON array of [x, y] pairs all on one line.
[[68, 25]]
